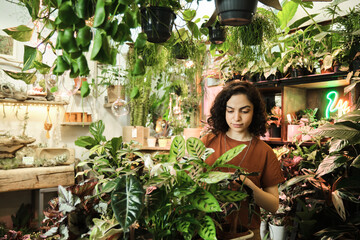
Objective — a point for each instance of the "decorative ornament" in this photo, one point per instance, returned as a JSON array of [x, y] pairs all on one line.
[[48, 123], [120, 107]]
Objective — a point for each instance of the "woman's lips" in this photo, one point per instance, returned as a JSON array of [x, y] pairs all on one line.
[[237, 125]]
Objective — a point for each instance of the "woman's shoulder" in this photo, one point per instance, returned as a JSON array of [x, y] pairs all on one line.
[[209, 138]]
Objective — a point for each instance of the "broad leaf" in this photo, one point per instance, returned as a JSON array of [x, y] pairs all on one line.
[[214, 177], [30, 55], [97, 129], [189, 14], [207, 230], [229, 155], [351, 116], [207, 153], [338, 204], [337, 144], [295, 180], [20, 33], [230, 196], [140, 41], [341, 130], [329, 164], [42, 67], [177, 147], [195, 147], [86, 142], [204, 201], [127, 200], [356, 162], [302, 20], [67, 201], [28, 78], [288, 11]]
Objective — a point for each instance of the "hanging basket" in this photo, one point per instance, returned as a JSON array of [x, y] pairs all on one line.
[[157, 23], [235, 12], [217, 34]]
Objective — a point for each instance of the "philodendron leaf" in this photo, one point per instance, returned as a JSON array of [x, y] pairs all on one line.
[[67, 201], [288, 11], [214, 177], [85, 89], [230, 196], [207, 230], [177, 147], [28, 78], [20, 33], [127, 200], [140, 41], [42, 67], [31, 54], [195, 147], [229, 155], [204, 201], [139, 68], [100, 13], [189, 14]]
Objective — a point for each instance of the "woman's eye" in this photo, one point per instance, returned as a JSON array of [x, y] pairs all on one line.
[[247, 111], [230, 111]]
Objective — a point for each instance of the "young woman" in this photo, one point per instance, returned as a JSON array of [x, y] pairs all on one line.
[[238, 117]]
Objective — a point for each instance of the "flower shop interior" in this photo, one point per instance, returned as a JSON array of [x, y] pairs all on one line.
[[103, 104]]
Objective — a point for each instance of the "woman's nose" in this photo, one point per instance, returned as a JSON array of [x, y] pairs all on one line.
[[237, 115]]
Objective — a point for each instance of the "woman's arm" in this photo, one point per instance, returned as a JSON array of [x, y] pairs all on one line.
[[267, 199]]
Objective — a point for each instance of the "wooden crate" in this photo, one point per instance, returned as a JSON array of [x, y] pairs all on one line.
[[136, 133]]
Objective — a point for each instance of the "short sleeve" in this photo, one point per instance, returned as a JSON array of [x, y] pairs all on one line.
[[272, 174]]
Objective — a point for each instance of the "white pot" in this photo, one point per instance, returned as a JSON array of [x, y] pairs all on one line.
[[263, 229], [277, 232], [293, 131], [151, 142], [163, 142]]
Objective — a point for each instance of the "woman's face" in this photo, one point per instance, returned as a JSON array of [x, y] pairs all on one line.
[[239, 113]]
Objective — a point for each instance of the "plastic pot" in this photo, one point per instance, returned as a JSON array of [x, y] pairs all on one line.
[[235, 12], [217, 34]]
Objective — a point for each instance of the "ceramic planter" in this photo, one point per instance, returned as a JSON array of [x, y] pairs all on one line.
[[151, 142], [277, 232], [235, 12], [163, 142], [293, 131], [157, 23], [263, 229], [114, 92]]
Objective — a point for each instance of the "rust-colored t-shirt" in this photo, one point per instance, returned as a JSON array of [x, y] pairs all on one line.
[[259, 158]]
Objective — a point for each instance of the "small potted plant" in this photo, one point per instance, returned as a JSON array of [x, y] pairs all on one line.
[[293, 128], [274, 121]]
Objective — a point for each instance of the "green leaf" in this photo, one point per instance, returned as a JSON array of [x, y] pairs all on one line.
[[135, 92], [207, 230], [329, 164], [204, 201], [341, 130], [127, 200], [116, 143], [109, 186], [356, 162], [31, 54], [97, 44], [97, 130], [100, 13], [189, 14], [229, 155], [42, 67], [195, 147], [85, 89], [86, 142], [177, 147], [194, 29], [20, 33], [288, 12], [302, 20], [295, 180], [141, 41], [353, 116], [139, 68], [67, 13], [28, 78], [230, 196], [67, 201], [337, 144], [214, 177]]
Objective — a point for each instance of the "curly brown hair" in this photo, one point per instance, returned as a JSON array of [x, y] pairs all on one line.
[[217, 120]]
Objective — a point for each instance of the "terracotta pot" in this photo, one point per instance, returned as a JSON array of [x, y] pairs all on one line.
[[67, 117], [89, 118], [192, 132], [72, 117], [78, 117]]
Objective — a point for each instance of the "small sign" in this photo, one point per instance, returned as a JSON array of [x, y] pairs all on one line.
[[28, 160], [134, 133]]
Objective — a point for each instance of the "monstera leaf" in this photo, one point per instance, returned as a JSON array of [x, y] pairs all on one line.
[[127, 200]]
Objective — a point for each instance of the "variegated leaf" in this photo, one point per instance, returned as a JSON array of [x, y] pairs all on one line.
[[329, 164], [208, 152], [177, 147], [337, 144], [338, 204], [207, 230], [230, 196], [204, 201], [214, 177], [229, 155], [195, 147]]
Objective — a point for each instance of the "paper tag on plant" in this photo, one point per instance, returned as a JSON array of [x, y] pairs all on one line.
[[134, 133], [28, 160]]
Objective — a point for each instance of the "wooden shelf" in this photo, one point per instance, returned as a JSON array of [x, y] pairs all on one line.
[[36, 178], [12, 102], [324, 80], [155, 148], [278, 142], [75, 123]]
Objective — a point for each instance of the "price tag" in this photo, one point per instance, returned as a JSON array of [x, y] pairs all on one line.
[[28, 160], [134, 133]]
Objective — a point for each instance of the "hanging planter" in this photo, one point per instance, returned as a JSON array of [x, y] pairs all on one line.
[[235, 12], [157, 23], [217, 34]]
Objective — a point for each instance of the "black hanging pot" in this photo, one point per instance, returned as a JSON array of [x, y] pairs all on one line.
[[235, 12], [157, 23], [217, 34]]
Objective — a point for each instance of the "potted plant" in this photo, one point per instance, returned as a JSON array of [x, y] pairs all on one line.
[[235, 13], [274, 121], [217, 33]]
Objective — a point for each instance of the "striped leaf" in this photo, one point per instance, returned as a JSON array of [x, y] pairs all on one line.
[[208, 152], [230, 196], [337, 144], [342, 130], [228, 156], [127, 200], [195, 147], [329, 164], [351, 116], [207, 230], [204, 201], [214, 177], [177, 147], [356, 162]]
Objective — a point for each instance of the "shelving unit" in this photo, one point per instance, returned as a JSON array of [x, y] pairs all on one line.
[[300, 93], [13, 102], [75, 124]]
